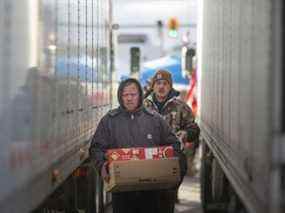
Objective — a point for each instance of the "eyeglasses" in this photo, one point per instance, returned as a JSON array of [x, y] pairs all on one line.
[[132, 95]]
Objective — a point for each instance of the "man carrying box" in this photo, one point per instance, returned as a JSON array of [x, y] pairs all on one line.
[[163, 98], [131, 125]]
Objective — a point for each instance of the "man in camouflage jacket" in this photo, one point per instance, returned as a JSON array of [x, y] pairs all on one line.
[[164, 100]]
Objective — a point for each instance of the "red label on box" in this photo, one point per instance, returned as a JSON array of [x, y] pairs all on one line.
[[140, 153]]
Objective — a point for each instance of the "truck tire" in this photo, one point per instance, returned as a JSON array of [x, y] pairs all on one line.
[[205, 179], [91, 197], [235, 205], [218, 182], [213, 183], [80, 190]]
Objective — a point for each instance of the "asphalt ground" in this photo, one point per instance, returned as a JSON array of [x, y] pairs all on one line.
[[189, 196]]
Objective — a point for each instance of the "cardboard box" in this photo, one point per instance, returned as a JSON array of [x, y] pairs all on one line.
[[136, 175], [140, 153]]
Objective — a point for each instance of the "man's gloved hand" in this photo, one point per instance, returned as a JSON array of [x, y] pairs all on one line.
[[105, 172], [182, 136]]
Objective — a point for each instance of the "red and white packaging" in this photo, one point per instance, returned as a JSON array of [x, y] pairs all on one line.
[[140, 153]]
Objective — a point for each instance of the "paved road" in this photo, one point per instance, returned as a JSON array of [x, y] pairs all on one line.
[[189, 196]]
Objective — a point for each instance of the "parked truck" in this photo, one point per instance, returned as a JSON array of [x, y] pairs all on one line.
[[55, 84], [242, 104]]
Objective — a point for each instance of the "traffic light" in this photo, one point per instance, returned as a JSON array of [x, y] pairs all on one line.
[[173, 27], [135, 59], [190, 53]]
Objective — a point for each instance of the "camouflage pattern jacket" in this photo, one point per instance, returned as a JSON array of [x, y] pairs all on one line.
[[178, 115]]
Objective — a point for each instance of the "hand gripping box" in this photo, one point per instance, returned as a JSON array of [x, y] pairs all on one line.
[[143, 173]]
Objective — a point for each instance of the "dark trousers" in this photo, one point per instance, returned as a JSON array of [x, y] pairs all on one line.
[[161, 201]]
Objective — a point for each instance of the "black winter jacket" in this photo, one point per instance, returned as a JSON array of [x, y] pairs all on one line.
[[121, 129]]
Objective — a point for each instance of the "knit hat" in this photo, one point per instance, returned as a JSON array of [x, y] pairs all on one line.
[[162, 75]]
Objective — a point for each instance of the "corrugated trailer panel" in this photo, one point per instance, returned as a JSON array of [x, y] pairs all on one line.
[[15, 114], [245, 104], [235, 106], [262, 102], [226, 91], [207, 83], [215, 72], [220, 68], [50, 101], [235, 73]]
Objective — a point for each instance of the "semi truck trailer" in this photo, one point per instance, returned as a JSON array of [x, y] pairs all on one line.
[[55, 85], [241, 79]]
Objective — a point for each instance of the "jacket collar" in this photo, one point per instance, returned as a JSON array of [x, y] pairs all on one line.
[[136, 112]]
